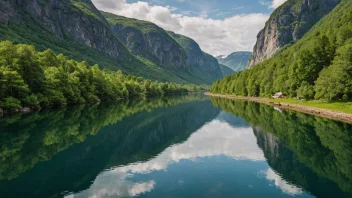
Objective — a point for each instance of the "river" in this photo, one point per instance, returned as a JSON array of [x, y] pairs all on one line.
[[180, 146]]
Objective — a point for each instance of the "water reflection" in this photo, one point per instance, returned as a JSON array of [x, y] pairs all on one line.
[[28, 139], [311, 152], [134, 138], [217, 143], [181, 147]]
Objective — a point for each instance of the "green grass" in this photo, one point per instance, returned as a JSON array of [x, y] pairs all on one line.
[[345, 107]]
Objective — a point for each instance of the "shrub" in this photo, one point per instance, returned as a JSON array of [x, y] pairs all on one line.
[[11, 103]]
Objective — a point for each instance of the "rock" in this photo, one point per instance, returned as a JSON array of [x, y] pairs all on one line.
[[167, 49], [148, 40], [198, 59], [26, 110], [65, 19], [38, 108], [287, 24]]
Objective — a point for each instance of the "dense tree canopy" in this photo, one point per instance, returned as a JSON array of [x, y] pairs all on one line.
[[316, 67], [30, 78]]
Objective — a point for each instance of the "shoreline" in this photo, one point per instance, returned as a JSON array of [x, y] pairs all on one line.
[[29, 109], [326, 113]]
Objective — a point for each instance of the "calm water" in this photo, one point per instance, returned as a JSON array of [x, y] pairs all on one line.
[[186, 146]]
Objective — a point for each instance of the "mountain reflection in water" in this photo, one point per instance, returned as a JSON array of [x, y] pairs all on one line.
[[184, 147]]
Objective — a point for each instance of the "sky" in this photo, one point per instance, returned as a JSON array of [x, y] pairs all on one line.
[[220, 27]]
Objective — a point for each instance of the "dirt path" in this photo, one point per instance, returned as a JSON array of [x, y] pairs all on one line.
[[336, 115]]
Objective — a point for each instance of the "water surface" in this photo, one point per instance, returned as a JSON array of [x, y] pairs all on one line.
[[185, 146]]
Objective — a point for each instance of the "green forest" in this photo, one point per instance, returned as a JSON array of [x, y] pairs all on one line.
[[43, 79], [318, 66]]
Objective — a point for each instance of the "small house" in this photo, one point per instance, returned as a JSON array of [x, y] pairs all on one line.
[[279, 95]]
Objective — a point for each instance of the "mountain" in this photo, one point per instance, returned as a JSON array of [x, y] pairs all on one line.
[[148, 40], [65, 26], [165, 49], [237, 61], [317, 66], [288, 24], [200, 62], [78, 30], [226, 71]]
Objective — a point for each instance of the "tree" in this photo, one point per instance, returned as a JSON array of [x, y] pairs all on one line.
[[12, 84], [335, 82]]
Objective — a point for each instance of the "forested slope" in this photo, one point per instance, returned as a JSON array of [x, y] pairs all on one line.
[[79, 31], [44, 79], [287, 24], [318, 66]]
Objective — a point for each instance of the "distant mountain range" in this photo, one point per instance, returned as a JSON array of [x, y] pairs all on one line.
[[236, 61]]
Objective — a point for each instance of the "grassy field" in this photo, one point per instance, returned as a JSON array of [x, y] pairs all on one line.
[[345, 107]]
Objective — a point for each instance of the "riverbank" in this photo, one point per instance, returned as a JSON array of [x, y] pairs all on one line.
[[299, 106], [175, 95]]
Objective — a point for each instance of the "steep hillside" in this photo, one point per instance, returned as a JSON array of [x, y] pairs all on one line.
[[200, 62], [288, 24], [148, 40], [78, 30], [74, 19], [318, 66], [70, 21], [225, 70], [237, 61], [179, 54], [74, 28]]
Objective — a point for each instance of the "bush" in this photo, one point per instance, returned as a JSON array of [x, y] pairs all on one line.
[[11, 103], [31, 100]]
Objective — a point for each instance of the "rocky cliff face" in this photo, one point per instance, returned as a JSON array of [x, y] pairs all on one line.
[[269, 143], [237, 61], [80, 31], [77, 20], [166, 49], [287, 24], [198, 59], [148, 40]]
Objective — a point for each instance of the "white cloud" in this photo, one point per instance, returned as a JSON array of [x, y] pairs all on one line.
[[272, 4], [276, 3], [217, 37], [213, 139], [282, 184], [216, 138], [105, 186]]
